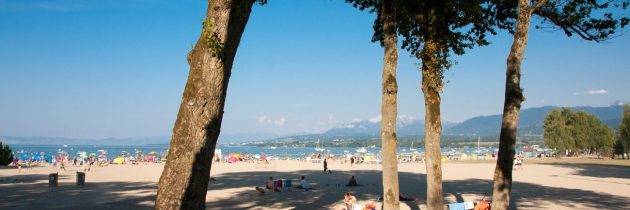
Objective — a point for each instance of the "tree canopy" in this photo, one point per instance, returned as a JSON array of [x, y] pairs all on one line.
[[577, 131], [623, 131], [6, 156], [591, 20], [454, 25]]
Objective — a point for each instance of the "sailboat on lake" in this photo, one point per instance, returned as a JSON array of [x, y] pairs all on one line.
[[320, 149], [411, 148]]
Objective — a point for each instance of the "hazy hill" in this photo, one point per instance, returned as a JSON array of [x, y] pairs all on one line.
[[530, 122], [407, 127], [38, 140]]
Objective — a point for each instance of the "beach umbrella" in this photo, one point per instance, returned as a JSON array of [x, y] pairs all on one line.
[[153, 153]]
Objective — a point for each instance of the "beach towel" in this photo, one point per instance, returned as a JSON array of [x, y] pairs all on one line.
[[456, 206], [370, 206]]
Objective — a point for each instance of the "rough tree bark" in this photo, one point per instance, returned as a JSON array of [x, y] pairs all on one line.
[[431, 87], [184, 181], [511, 107], [389, 112]]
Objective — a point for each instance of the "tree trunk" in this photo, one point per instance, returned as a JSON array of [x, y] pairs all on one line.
[[511, 108], [184, 181], [389, 110], [431, 87]]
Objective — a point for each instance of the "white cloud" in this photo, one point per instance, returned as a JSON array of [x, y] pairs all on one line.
[[596, 92], [280, 122], [346, 126], [356, 119], [261, 119], [404, 119], [375, 119], [270, 120]]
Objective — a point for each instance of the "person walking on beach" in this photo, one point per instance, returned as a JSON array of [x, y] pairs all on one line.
[[61, 164], [351, 162], [29, 163], [19, 163], [53, 160], [325, 165]]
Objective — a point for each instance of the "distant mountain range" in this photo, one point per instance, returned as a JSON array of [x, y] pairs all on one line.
[[406, 127], [530, 121], [530, 124]]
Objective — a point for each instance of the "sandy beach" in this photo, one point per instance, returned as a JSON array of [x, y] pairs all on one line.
[[549, 184]]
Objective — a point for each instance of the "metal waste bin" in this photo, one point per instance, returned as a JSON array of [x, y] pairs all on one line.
[[53, 180], [80, 178]]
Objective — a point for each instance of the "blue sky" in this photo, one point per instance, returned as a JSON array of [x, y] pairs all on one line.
[[95, 69]]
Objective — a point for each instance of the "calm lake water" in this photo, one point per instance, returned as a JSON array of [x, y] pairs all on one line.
[[46, 151]]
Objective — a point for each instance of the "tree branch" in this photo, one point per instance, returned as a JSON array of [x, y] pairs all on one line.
[[537, 5]]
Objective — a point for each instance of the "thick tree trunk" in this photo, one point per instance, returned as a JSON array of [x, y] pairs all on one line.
[[389, 110], [511, 108], [184, 181], [431, 87]]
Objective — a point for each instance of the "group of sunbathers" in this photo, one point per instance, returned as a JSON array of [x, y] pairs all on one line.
[[277, 185]]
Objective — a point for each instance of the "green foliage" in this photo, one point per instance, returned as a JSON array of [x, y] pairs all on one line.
[[457, 25], [6, 156], [453, 25], [591, 20], [212, 38], [575, 130], [623, 132]]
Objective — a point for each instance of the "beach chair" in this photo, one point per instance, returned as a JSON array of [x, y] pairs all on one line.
[[277, 185], [456, 206], [288, 183], [469, 205]]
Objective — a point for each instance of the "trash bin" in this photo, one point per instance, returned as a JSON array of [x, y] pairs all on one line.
[[80, 178], [53, 180]]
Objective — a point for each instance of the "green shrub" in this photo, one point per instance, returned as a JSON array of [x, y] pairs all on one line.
[[6, 156]]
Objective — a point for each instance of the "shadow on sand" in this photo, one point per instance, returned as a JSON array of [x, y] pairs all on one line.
[[596, 170], [32, 192], [332, 187]]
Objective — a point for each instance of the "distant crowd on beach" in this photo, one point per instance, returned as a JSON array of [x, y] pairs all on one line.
[[57, 163], [62, 160]]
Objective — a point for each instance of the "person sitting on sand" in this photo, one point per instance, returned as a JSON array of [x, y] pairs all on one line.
[[303, 184], [349, 200], [269, 183], [260, 190], [352, 182], [402, 197]]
